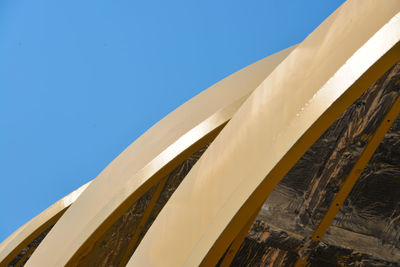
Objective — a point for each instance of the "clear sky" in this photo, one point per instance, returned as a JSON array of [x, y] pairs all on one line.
[[81, 80]]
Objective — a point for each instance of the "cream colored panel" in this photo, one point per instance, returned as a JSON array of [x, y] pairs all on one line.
[[10, 247], [320, 75], [130, 171]]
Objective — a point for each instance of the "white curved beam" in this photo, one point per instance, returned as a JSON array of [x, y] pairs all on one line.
[[10, 247], [140, 165], [281, 119]]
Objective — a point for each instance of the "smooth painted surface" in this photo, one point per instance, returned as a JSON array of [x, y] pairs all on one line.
[[291, 99], [153, 150], [81, 80], [14, 241]]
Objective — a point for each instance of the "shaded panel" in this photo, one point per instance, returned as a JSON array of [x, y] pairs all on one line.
[[24, 255], [299, 202], [373, 207], [329, 255], [263, 241], [174, 180], [112, 248], [267, 246]]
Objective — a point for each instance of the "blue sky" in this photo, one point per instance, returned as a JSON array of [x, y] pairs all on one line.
[[81, 80]]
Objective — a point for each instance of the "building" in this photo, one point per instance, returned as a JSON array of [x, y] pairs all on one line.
[[293, 160]]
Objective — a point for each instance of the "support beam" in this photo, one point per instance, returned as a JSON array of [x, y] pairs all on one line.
[[355, 173], [148, 159], [237, 242], [261, 143], [143, 221]]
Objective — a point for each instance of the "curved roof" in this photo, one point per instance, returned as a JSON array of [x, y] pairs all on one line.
[[139, 166], [280, 120], [10, 247], [260, 120]]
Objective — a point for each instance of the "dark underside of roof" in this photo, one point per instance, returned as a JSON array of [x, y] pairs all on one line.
[[365, 232]]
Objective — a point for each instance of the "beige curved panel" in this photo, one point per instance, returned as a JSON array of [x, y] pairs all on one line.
[[10, 247], [280, 120], [134, 171]]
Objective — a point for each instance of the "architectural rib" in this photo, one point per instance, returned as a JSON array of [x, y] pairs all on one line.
[[282, 118], [10, 247], [353, 176], [249, 130], [145, 161]]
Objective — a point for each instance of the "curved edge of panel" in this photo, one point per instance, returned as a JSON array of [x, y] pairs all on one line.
[[137, 168], [11, 246], [325, 74]]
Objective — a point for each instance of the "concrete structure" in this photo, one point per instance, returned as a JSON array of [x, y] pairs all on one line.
[[256, 169]]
